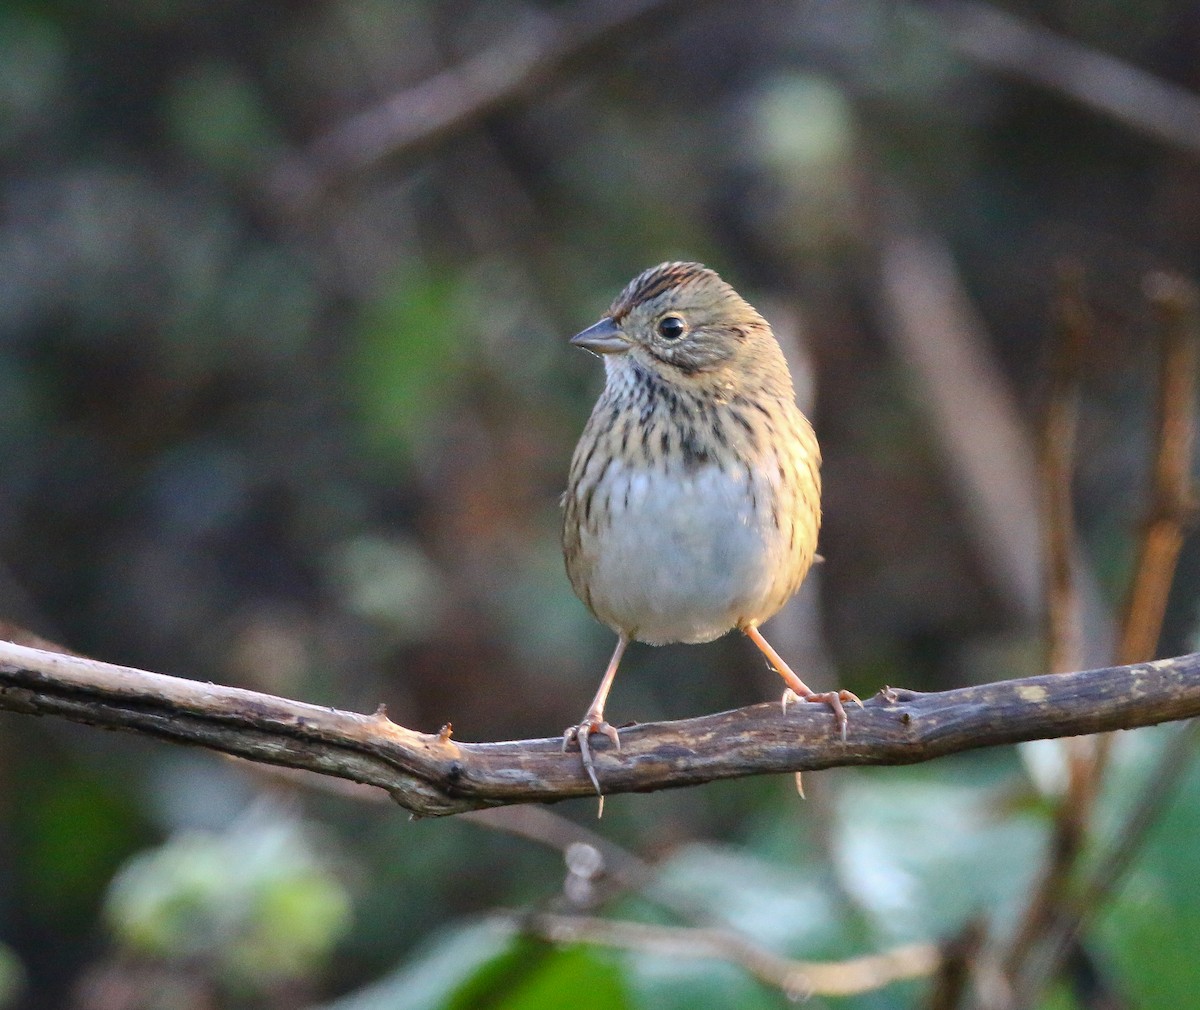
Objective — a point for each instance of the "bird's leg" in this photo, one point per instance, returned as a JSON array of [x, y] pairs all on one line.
[[797, 690], [593, 721]]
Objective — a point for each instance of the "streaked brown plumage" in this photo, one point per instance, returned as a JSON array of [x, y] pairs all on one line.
[[693, 502]]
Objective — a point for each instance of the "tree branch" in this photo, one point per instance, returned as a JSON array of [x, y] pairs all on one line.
[[432, 775], [515, 66], [1141, 101]]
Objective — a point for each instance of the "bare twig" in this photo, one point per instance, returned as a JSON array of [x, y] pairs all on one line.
[[1072, 325], [707, 936], [1064, 928], [1172, 503], [960, 968], [1079, 906], [796, 978], [537, 824], [1172, 509], [621, 870], [1056, 453], [1059, 907], [1095, 80], [523, 60], [433, 776], [1106, 877]]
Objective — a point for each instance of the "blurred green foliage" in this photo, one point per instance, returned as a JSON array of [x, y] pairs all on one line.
[[12, 979], [314, 446], [917, 854], [1157, 909], [260, 902], [404, 363], [75, 828]]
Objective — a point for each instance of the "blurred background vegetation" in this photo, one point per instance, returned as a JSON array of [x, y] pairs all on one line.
[[286, 402]]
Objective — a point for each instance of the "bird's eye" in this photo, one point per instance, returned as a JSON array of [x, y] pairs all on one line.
[[671, 327]]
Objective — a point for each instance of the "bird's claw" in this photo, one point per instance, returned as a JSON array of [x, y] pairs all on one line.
[[580, 735], [833, 699]]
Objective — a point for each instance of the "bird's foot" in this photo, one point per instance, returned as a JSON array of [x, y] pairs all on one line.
[[580, 735], [833, 699]]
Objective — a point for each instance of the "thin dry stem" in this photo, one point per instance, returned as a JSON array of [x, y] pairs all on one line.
[[1172, 503], [1105, 879], [1072, 326], [1070, 335], [1058, 908], [1172, 509], [618, 870], [797, 979]]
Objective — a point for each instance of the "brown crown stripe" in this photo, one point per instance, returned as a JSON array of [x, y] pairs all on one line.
[[652, 282]]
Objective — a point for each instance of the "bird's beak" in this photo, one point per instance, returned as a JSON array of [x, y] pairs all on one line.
[[604, 337]]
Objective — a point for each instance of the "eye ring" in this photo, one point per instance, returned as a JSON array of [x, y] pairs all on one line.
[[671, 327]]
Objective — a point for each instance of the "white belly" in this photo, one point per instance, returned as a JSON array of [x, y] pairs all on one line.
[[686, 559]]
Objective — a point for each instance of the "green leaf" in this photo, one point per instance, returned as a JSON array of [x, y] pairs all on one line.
[[488, 964], [787, 907], [660, 983], [218, 117], [258, 900], [532, 975], [12, 978], [1148, 935], [403, 361], [80, 828], [925, 851]]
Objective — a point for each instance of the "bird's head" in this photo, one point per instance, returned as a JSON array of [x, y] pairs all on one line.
[[683, 323]]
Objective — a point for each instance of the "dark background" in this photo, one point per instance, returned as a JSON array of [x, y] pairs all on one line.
[[286, 402]]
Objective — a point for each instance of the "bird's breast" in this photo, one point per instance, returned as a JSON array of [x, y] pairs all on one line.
[[685, 552]]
